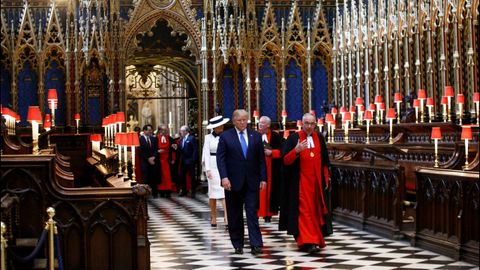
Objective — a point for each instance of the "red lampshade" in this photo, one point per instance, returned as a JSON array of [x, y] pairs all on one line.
[[312, 112], [347, 117], [47, 124], [460, 99], [398, 97], [77, 116], [416, 103], [120, 117], [371, 107], [112, 119], [52, 95], [436, 133], [299, 123], [444, 100], [430, 102], [378, 99], [368, 115], [352, 109], [47, 117], [343, 110], [95, 137], [359, 101], [34, 114], [320, 121], [391, 113], [422, 94], [284, 113], [361, 108], [256, 114], [133, 139], [466, 133], [382, 106], [104, 122], [334, 110], [17, 117], [476, 97], [121, 138], [449, 91], [329, 118]]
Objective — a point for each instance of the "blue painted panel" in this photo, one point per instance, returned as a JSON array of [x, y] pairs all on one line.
[[55, 78], [294, 102], [5, 86], [27, 91], [320, 87], [228, 98], [94, 113], [240, 91], [268, 92]]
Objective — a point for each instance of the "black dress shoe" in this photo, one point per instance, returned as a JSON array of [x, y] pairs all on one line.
[[313, 249], [213, 224], [256, 250], [238, 251]]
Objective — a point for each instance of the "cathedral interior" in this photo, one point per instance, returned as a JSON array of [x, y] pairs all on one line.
[[394, 85]]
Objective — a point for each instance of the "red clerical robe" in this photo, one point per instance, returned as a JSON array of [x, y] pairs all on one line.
[[265, 194], [311, 203], [166, 183]]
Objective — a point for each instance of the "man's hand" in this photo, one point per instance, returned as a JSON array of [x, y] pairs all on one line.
[[151, 160], [301, 145], [174, 146], [209, 174], [161, 151], [263, 185], [226, 184], [268, 152]]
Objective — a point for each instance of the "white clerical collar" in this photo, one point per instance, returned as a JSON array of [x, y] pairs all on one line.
[[265, 138], [310, 141], [163, 139]]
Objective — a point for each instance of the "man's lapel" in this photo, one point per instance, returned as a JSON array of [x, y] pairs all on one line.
[[236, 139]]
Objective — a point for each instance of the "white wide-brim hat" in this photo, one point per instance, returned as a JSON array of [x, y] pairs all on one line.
[[217, 121]]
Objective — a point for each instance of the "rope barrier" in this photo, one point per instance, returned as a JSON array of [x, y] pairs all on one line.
[[58, 254], [31, 256]]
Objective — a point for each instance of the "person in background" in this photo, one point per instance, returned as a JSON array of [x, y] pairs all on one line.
[[304, 213], [165, 157], [149, 159], [138, 169], [272, 144], [188, 154], [209, 162], [241, 164]]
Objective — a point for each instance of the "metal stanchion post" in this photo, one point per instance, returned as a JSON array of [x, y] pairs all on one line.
[[51, 234], [3, 245]]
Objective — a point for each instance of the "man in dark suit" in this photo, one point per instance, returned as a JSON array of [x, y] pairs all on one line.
[[149, 159], [188, 154], [241, 164]]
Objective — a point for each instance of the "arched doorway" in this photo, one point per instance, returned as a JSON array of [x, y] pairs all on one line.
[[161, 80]]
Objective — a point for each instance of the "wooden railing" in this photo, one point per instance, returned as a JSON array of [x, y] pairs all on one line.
[[100, 228], [450, 205]]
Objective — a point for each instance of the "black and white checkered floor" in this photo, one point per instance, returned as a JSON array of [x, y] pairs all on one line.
[[181, 238]]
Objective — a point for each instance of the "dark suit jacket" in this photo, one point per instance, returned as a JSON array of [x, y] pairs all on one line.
[[232, 164], [149, 172], [189, 151]]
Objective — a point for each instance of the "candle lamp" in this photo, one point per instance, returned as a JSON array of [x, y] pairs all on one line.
[[444, 103], [118, 142], [466, 135], [120, 119], [346, 119], [422, 95], [430, 105], [449, 95], [352, 112], [113, 125], [334, 112], [47, 124], [105, 129], [256, 115], [398, 98], [391, 116], [381, 110], [436, 135], [372, 108], [133, 142], [378, 101], [359, 103], [361, 111], [77, 121], [416, 105], [329, 120], [368, 118], [461, 103], [124, 143], [35, 117], [284, 119], [342, 113], [95, 139], [476, 101], [299, 125], [52, 99], [320, 124]]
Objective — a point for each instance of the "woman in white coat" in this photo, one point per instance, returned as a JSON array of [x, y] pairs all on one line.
[[209, 162]]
